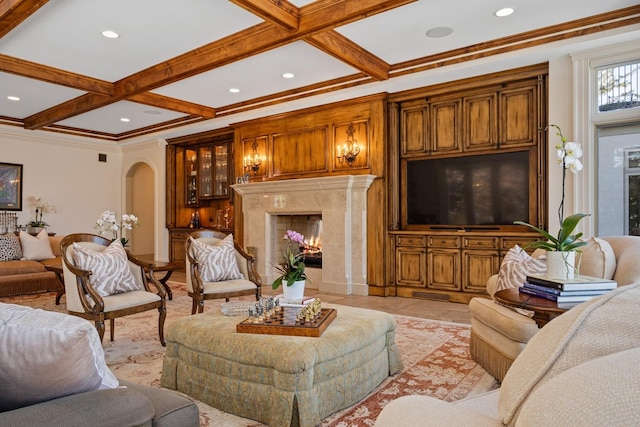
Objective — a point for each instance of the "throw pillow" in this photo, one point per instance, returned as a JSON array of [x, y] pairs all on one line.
[[598, 259], [109, 268], [516, 266], [45, 355], [37, 247], [216, 262], [10, 247]]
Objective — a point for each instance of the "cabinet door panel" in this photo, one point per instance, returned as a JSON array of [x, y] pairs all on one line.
[[446, 128], [480, 122], [519, 117], [411, 267], [415, 125], [444, 269], [477, 267]]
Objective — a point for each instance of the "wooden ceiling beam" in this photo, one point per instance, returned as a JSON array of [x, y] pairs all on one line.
[[73, 107], [279, 12], [335, 44], [167, 103], [13, 12], [56, 76], [314, 18]]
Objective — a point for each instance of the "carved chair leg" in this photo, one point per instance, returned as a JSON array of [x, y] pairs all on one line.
[[201, 306], [100, 328], [112, 327], [194, 305], [161, 319]]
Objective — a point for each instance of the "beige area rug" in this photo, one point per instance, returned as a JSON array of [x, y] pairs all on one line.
[[435, 355]]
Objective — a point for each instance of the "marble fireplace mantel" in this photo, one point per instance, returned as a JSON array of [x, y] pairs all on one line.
[[342, 202]]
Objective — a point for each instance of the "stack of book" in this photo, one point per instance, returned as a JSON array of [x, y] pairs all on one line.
[[284, 302], [567, 293]]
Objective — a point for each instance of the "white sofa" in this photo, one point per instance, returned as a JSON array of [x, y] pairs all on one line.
[[581, 369], [499, 334]]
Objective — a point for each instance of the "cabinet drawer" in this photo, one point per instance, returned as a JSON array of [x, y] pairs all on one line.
[[480, 243], [509, 242], [444, 241], [418, 241], [179, 235]]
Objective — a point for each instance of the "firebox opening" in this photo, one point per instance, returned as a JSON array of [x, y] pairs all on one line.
[[310, 226]]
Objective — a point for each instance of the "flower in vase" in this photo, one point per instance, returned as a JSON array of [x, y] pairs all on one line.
[[108, 223], [41, 207], [292, 268]]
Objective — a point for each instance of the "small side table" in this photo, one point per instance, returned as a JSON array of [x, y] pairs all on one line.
[[55, 265], [543, 309], [168, 268]]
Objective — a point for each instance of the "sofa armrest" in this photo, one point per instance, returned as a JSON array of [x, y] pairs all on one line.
[[112, 407], [54, 241]]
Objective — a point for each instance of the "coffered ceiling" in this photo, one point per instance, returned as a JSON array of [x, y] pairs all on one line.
[[175, 62]]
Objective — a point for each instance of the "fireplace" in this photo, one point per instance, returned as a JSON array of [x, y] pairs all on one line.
[[336, 204], [310, 226]]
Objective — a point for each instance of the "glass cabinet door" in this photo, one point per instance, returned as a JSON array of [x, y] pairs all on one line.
[[191, 170], [205, 170], [221, 170]]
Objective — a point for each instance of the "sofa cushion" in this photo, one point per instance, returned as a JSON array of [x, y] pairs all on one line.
[[45, 355], [626, 249], [598, 259], [602, 392], [37, 247], [110, 268], [11, 268], [604, 325], [516, 266], [216, 262], [10, 247]]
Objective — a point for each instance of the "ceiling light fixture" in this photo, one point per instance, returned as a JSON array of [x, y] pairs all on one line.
[[288, 75], [505, 11], [125, 119], [234, 90], [153, 112], [13, 98], [439, 32], [110, 34]]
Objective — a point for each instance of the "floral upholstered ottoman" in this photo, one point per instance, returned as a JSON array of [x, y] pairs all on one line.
[[281, 380]]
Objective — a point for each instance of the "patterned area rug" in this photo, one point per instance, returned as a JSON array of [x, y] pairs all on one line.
[[435, 355]]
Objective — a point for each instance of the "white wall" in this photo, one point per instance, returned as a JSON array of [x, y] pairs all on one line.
[[65, 172]]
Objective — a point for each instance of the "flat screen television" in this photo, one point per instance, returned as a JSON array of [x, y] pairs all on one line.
[[480, 190]]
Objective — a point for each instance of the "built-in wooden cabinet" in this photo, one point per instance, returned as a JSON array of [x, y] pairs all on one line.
[[450, 266], [199, 171]]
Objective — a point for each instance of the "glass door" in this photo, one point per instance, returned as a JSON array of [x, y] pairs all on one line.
[[205, 170], [191, 170], [221, 170]]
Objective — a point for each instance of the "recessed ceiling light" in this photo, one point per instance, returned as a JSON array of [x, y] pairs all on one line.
[[288, 75], [505, 11], [125, 119], [13, 98], [110, 34], [438, 32], [234, 90]]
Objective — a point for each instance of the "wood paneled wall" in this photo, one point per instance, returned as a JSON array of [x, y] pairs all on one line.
[[303, 144]]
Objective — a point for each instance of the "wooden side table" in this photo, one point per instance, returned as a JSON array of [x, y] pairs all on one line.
[[543, 309], [168, 268]]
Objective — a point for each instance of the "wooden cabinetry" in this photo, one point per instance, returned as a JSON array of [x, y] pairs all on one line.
[[198, 177], [450, 266], [498, 116]]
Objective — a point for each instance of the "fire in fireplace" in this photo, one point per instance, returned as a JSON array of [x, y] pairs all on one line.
[[312, 252], [310, 226]]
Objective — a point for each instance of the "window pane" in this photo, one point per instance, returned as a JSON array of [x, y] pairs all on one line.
[[618, 87]]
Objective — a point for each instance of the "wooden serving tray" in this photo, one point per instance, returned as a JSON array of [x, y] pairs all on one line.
[[285, 324]]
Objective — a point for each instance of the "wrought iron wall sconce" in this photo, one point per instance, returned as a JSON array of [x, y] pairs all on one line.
[[350, 150], [253, 161]]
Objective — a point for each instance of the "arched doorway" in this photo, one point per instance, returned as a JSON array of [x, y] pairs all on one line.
[[140, 201]]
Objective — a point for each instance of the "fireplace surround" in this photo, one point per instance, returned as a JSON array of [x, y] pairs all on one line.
[[342, 203]]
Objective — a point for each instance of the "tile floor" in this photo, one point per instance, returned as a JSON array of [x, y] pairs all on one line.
[[427, 309]]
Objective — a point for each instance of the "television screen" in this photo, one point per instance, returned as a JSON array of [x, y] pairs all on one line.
[[488, 189]]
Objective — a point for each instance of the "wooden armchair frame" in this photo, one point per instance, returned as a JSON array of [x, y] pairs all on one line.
[[93, 303], [198, 295]]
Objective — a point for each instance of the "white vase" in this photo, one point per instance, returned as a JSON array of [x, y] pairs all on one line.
[[561, 265], [295, 291]]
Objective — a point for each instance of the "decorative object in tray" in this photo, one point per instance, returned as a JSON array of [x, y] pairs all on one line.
[[268, 317]]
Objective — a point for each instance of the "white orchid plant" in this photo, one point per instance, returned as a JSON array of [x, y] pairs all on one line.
[[108, 222], [569, 154], [41, 207]]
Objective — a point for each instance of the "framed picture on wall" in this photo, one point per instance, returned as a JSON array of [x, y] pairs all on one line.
[[10, 187]]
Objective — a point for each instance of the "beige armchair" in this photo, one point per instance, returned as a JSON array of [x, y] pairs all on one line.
[[87, 294], [203, 263], [581, 369], [499, 334]]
